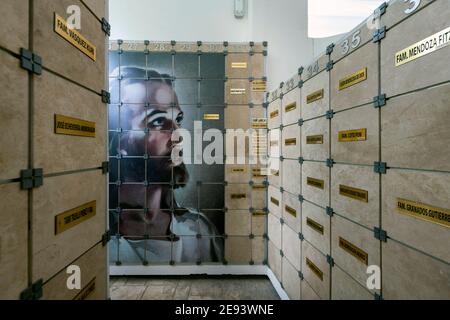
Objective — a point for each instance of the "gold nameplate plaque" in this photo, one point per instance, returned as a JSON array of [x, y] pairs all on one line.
[[75, 38], [239, 65], [258, 213], [354, 193], [314, 269], [274, 201], [359, 254], [259, 172], [318, 139], [259, 123], [258, 85], [290, 107], [290, 142], [238, 170], [88, 290], [238, 91], [353, 79], [74, 127], [317, 183], [317, 95], [70, 218], [314, 225], [422, 48], [291, 211], [259, 186], [352, 135], [211, 116], [274, 114], [425, 212], [238, 196]]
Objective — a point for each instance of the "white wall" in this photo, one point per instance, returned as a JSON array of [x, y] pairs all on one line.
[[181, 20], [283, 23]]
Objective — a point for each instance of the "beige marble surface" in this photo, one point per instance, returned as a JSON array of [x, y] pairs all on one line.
[[321, 287], [415, 131], [14, 115], [362, 92], [318, 107], [61, 56], [316, 127], [14, 31], [359, 237], [92, 265], [424, 71], [237, 222], [291, 280], [318, 215], [238, 250], [193, 288], [408, 274], [13, 240], [237, 117], [344, 287], [98, 7], [356, 152], [291, 246], [274, 260], [291, 174]]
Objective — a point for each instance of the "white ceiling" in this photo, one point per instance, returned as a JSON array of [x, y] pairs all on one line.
[[332, 17]]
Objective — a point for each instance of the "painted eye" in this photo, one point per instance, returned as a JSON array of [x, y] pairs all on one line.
[[179, 119], [158, 122]]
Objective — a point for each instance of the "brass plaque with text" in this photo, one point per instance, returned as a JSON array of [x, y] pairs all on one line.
[[317, 95], [352, 135], [353, 79], [70, 218], [314, 225], [317, 183], [74, 38], [314, 269], [359, 254], [317, 139], [74, 127], [424, 212], [354, 193]]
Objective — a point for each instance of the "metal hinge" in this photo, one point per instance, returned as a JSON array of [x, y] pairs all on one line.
[[330, 49], [300, 84], [301, 122], [330, 65], [265, 105], [30, 61], [34, 292], [379, 101], [329, 211], [301, 160], [106, 237], [300, 275], [330, 260], [330, 114], [281, 253], [106, 96], [300, 71], [330, 163], [380, 167], [301, 198], [106, 27], [301, 236], [281, 221], [31, 178], [379, 34], [105, 167], [380, 234], [380, 10], [378, 296]]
